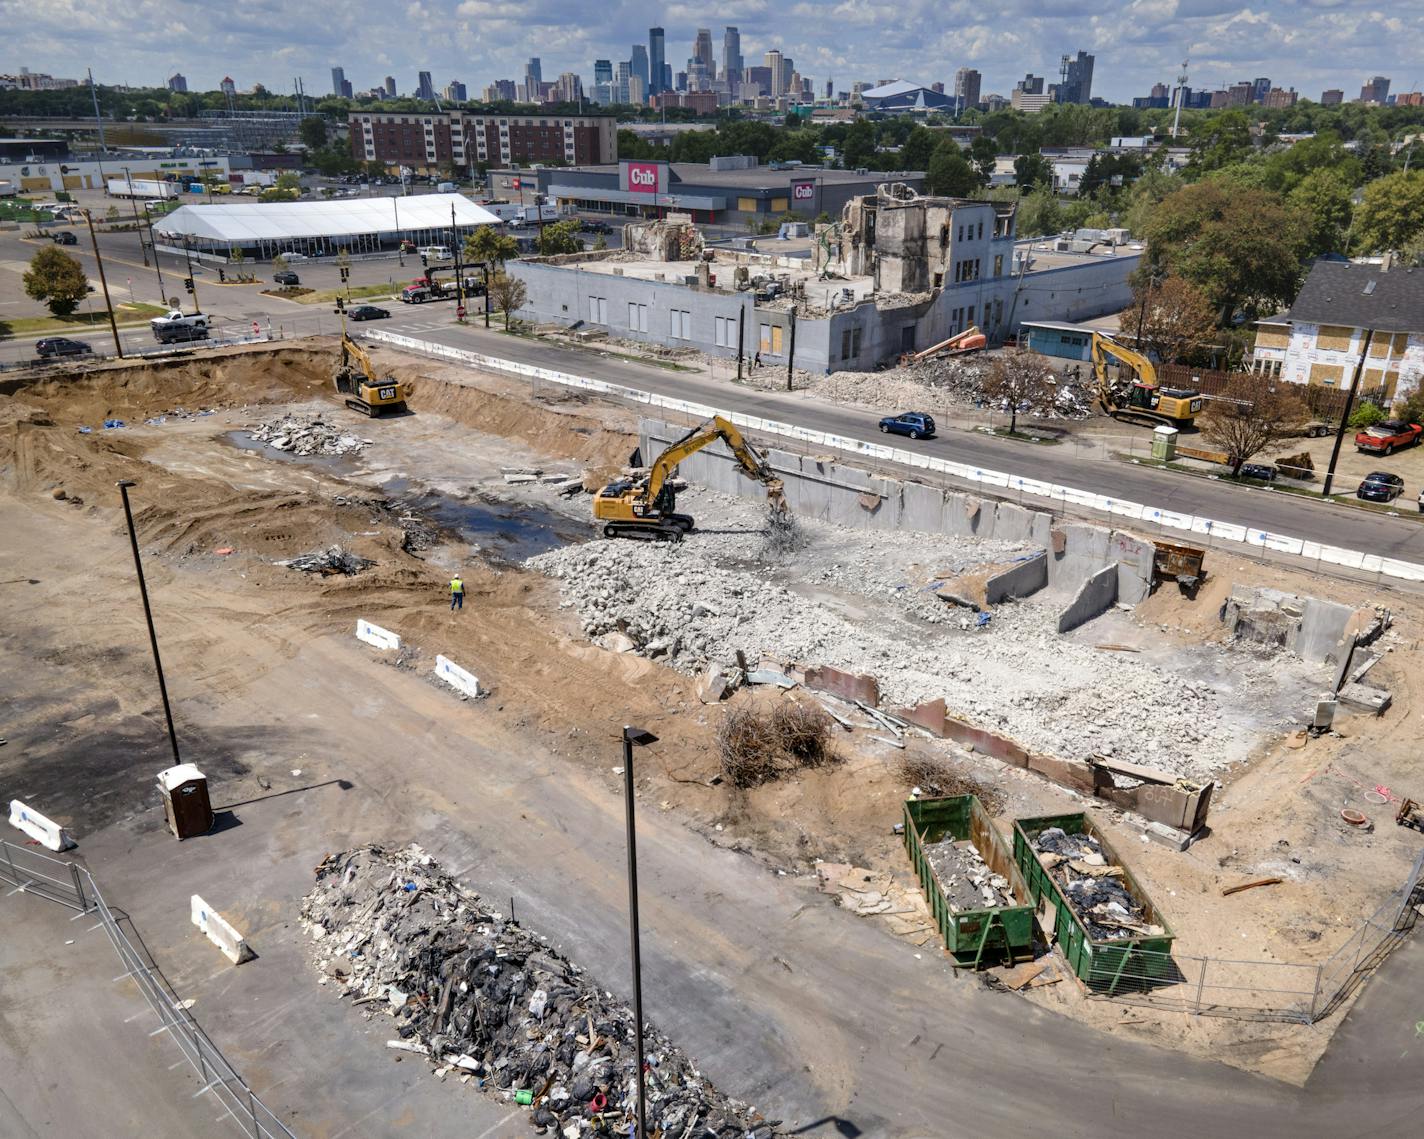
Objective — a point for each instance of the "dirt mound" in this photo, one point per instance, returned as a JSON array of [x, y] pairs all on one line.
[[133, 392]]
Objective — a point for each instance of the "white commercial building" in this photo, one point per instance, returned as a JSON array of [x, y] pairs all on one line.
[[357, 225]]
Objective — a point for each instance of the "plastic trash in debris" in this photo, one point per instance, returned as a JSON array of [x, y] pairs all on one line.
[[982, 619], [524, 1098], [111, 424], [86, 431]]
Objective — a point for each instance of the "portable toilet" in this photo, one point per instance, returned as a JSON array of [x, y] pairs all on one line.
[[185, 800], [1164, 443]]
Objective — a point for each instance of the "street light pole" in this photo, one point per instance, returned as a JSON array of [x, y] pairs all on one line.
[[138, 222], [633, 736], [1345, 415], [124, 485], [104, 284]]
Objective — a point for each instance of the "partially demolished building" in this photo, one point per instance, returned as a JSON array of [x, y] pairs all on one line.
[[899, 272]]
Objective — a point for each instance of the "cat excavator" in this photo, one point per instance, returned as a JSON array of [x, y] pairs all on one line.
[[364, 391], [1137, 395], [645, 505]]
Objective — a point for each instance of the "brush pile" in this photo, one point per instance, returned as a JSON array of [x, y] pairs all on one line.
[[760, 747], [487, 1000]]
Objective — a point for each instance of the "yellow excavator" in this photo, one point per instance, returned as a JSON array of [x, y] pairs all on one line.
[[1136, 395], [645, 506], [365, 392]]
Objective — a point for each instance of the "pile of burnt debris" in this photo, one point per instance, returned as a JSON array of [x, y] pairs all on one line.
[[1093, 886], [495, 1005], [328, 562]]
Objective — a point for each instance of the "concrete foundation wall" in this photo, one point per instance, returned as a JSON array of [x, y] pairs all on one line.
[[1023, 579], [849, 496], [1095, 596]]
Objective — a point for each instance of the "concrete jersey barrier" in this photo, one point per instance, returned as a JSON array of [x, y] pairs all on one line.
[[457, 678], [375, 635], [1222, 531], [45, 831], [220, 932]]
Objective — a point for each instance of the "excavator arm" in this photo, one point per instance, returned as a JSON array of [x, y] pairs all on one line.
[[350, 350], [704, 435], [1105, 350]]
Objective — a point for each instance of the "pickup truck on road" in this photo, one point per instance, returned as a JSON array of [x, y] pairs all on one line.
[[1388, 437], [179, 326]]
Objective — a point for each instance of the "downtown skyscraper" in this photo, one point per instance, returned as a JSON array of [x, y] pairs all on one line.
[[657, 52]]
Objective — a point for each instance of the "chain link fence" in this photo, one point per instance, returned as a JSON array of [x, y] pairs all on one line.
[[71, 885], [1263, 990]]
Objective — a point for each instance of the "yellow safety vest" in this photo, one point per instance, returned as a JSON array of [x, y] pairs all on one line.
[[457, 586]]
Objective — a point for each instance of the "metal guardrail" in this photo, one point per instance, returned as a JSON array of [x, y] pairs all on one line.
[[72, 886], [1265, 990]]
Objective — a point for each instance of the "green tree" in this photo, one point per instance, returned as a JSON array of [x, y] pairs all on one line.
[[949, 172], [1038, 213], [858, 148], [56, 279], [1033, 171], [560, 237], [1391, 216], [312, 131], [287, 180], [1288, 167], [1142, 199], [985, 156], [918, 149], [1241, 247], [1219, 141], [1322, 198], [487, 245], [600, 243]]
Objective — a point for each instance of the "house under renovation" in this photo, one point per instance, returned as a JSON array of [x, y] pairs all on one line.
[[899, 272]]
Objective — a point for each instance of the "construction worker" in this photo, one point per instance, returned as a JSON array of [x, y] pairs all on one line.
[[457, 593]]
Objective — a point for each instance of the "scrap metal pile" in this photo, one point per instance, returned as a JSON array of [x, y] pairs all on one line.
[[328, 562], [495, 1004], [1092, 886], [311, 436], [965, 880]]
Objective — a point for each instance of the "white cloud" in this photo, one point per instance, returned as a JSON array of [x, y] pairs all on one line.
[[1308, 44]]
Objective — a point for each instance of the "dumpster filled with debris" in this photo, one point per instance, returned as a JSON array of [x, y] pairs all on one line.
[[977, 894], [1109, 930]]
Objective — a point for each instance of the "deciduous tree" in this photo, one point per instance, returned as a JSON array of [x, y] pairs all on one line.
[[1019, 378], [1174, 313], [488, 245], [1392, 214], [507, 294], [1323, 199], [950, 173], [1032, 172], [56, 279], [560, 237], [1252, 417]]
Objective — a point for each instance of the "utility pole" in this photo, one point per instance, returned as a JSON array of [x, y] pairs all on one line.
[[1181, 95], [104, 284], [459, 271], [157, 268], [791, 348], [1345, 415], [99, 122], [633, 736], [741, 338], [190, 284], [143, 249]]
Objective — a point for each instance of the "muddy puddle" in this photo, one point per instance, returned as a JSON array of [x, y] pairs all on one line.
[[335, 464], [502, 530]]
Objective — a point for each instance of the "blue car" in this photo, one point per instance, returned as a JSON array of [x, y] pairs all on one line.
[[915, 424]]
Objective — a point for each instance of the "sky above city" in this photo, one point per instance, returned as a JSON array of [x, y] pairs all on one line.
[[1308, 44]]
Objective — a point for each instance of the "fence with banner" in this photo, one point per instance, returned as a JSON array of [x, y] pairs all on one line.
[[71, 885]]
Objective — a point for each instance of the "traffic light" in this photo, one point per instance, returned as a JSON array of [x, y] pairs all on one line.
[[345, 274], [340, 308], [188, 283], [424, 262]]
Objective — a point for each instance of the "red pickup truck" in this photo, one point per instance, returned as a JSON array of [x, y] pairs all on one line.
[[1387, 437]]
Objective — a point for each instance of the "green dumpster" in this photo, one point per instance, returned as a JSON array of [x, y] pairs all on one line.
[[974, 938], [1106, 965]]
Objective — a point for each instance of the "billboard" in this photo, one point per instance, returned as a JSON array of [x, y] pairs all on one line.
[[803, 192], [642, 177]]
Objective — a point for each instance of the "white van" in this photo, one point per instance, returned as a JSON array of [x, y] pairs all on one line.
[[435, 253]]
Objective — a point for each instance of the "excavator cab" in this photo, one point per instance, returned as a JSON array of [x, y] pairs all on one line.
[[356, 379]]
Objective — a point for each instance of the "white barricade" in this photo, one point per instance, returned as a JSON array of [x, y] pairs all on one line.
[[457, 678], [1336, 556], [1128, 509], [44, 831], [1283, 543], [375, 635], [219, 931]]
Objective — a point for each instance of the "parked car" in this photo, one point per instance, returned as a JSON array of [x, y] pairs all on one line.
[[368, 312], [915, 424], [590, 226], [61, 346], [1388, 437], [286, 277], [1381, 486], [65, 238], [1262, 471]]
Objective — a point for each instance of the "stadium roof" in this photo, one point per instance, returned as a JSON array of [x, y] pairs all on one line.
[[243, 222]]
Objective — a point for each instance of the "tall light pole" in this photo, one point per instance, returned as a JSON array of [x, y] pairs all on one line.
[[138, 222], [641, 738], [124, 485], [104, 284]]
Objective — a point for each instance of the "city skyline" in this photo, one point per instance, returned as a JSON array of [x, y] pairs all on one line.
[[479, 44]]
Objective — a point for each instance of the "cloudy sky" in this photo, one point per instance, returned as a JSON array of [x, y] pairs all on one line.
[[1308, 44]]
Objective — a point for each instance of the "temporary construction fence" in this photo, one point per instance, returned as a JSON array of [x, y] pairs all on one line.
[[1352, 564], [72, 886], [1264, 990]]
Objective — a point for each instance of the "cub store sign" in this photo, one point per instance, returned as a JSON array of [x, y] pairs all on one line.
[[803, 191], [644, 177]]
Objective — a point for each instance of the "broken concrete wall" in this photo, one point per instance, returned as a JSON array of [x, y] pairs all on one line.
[[848, 685], [1027, 577], [1096, 596], [1307, 627]]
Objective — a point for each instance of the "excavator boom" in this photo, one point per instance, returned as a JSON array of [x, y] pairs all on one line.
[[365, 391], [1139, 396], [647, 507]]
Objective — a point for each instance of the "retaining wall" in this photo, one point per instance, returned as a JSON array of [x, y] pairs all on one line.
[[1029, 576], [821, 488], [1096, 595]]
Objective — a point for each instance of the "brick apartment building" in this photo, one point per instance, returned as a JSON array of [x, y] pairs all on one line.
[[428, 142]]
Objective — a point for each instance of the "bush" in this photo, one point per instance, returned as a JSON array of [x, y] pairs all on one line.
[[1411, 409], [1366, 415]]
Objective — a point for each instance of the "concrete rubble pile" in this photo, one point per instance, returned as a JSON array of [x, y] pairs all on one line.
[[954, 382], [328, 562], [965, 880], [306, 436], [1093, 886], [1018, 677], [489, 1001]]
